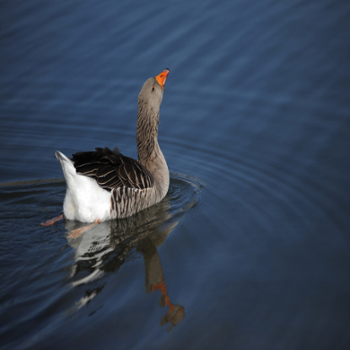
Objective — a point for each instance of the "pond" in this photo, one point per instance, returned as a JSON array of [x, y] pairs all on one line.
[[250, 247]]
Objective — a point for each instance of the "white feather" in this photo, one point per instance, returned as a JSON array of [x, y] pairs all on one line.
[[85, 200]]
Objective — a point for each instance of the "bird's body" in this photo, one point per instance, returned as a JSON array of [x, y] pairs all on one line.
[[105, 184]]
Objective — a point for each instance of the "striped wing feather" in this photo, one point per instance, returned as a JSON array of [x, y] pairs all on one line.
[[111, 169]]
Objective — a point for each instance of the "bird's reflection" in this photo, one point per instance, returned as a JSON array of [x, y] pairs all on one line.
[[104, 247]]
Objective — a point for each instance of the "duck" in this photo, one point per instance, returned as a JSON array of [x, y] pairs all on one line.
[[104, 184]]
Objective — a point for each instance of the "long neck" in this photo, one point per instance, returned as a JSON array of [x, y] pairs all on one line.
[[150, 154], [147, 135]]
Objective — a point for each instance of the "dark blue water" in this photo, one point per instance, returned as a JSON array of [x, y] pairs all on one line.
[[250, 249]]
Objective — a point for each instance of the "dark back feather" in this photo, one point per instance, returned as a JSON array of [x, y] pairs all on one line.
[[111, 169]]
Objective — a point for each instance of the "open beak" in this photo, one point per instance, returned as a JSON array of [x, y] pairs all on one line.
[[161, 78]]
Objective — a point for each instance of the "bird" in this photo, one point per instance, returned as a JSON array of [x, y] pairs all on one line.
[[104, 184]]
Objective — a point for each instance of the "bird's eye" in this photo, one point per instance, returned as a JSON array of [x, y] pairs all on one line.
[[153, 88]]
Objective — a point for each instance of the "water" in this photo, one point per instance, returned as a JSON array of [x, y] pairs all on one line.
[[250, 249]]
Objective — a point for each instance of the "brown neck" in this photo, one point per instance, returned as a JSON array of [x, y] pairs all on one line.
[[147, 135]]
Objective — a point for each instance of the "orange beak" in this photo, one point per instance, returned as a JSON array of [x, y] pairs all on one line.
[[161, 78]]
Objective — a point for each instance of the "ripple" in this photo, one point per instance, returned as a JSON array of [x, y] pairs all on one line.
[[272, 191], [97, 254]]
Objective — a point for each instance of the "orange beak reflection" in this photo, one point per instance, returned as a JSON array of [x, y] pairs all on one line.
[[161, 78]]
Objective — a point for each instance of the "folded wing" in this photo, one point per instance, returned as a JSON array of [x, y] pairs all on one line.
[[111, 169]]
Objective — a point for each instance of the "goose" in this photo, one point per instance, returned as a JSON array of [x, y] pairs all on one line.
[[104, 184]]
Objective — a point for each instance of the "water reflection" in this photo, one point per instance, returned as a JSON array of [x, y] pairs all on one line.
[[105, 247]]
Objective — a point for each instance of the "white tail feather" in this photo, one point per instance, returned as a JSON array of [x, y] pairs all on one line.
[[85, 200]]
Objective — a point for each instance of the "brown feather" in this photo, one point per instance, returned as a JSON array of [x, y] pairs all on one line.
[[112, 170]]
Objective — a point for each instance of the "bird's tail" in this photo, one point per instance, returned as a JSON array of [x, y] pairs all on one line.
[[67, 165]]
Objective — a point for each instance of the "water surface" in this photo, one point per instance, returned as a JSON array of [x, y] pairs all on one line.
[[250, 248]]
